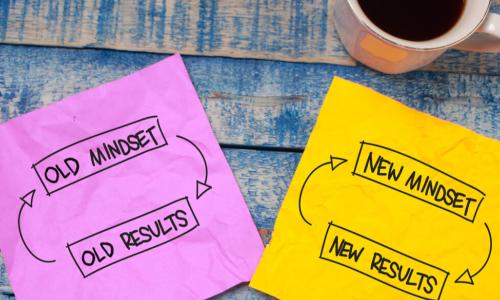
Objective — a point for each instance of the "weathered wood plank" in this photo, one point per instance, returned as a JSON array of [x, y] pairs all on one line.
[[241, 292], [290, 30], [467, 62], [4, 281], [6, 295], [263, 177], [249, 102]]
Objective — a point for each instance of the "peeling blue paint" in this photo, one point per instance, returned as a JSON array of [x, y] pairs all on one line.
[[35, 7], [106, 21], [4, 18], [52, 16], [151, 14], [299, 27], [254, 41], [65, 19], [28, 99], [441, 94], [160, 32], [276, 44], [214, 34], [24, 12], [207, 17], [3, 273], [237, 38], [139, 32], [200, 37], [76, 23], [295, 28], [179, 24], [323, 27]]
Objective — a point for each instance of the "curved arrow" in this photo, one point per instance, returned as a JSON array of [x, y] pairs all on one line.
[[466, 276], [334, 163], [28, 200], [201, 187]]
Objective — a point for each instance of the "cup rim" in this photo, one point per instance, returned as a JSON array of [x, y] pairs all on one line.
[[391, 39]]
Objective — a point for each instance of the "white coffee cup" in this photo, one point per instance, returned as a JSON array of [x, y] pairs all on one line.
[[476, 30]]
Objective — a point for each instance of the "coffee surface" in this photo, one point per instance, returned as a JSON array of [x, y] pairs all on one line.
[[415, 20]]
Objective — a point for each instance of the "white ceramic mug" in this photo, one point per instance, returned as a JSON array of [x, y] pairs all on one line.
[[476, 30]]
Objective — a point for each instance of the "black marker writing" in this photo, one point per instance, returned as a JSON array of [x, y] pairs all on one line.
[[345, 249], [417, 179], [89, 257], [407, 275], [122, 147], [161, 227], [439, 192], [98, 153], [133, 237], [54, 173], [382, 263], [383, 167]]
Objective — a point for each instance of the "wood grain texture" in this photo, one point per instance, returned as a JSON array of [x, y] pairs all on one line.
[[263, 177], [4, 281], [249, 102], [290, 30], [287, 29]]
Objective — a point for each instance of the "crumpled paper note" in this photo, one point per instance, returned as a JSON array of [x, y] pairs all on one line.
[[122, 192], [386, 203]]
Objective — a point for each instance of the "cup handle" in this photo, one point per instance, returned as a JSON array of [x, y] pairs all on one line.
[[486, 38]]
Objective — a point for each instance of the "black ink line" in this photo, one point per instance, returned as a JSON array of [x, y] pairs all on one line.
[[161, 131], [203, 185], [93, 136], [142, 251], [22, 237], [469, 277], [489, 252], [324, 239], [478, 206], [130, 256], [377, 279], [385, 246], [76, 263], [39, 177], [202, 156], [104, 169], [444, 285], [302, 190], [418, 198], [424, 163], [357, 159], [192, 212], [333, 166], [129, 220]]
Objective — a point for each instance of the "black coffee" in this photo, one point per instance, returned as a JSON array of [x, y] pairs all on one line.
[[415, 20]]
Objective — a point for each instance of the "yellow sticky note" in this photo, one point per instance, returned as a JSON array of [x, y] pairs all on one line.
[[387, 203]]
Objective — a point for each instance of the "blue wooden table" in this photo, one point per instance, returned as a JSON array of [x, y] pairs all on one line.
[[261, 68]]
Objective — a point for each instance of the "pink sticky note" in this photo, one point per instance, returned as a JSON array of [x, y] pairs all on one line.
[[122, 192]]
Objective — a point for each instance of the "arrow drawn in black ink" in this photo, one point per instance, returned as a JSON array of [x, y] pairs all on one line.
[[466, 276], [201, 186], [333, 163], [28, 200]]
